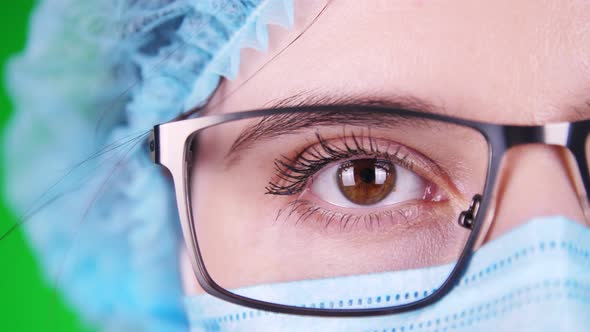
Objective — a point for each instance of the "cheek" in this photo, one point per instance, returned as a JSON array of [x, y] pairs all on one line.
[[190, 284], [231, 220]]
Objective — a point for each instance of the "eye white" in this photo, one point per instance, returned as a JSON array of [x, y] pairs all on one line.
[[409, 186]]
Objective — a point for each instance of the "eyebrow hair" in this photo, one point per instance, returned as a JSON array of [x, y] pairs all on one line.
[[308, 99], [340, 111]]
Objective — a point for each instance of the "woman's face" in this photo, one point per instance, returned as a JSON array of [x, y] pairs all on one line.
[[518, 62]]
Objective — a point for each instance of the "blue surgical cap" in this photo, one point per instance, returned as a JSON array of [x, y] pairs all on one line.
[[94, 77]]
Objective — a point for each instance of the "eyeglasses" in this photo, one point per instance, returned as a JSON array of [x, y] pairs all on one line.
[[272, 197]]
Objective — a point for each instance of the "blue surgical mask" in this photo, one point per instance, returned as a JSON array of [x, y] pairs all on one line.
[[535, 278]]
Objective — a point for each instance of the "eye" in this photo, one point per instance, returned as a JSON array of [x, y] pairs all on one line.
[[368, 182]]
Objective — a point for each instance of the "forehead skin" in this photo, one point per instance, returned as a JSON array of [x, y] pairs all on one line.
[[503, 61]]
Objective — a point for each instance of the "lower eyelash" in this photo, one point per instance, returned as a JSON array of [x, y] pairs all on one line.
[[305, 210]]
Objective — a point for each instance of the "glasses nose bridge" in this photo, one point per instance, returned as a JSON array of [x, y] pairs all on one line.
[[556, 134], [571, 136]]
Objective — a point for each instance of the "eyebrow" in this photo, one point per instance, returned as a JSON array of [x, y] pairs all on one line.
[[340, 112]]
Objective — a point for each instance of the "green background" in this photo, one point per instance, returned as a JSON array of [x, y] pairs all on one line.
[[27, 302]]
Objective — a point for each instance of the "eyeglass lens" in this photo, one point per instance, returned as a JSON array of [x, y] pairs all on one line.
[[310, 197]]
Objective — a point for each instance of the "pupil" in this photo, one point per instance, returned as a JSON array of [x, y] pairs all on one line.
[[367, 175]]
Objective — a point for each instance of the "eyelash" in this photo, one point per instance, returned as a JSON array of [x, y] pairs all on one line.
[[294, 174], [305, 209]]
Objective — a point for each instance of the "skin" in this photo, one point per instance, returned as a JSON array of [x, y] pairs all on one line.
[[503, 61]]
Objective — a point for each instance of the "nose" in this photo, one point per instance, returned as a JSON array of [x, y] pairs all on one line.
[[535, 180]]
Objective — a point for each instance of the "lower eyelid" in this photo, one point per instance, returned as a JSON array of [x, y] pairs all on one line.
[[399, 216]]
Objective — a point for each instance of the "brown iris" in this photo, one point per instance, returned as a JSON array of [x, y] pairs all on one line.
[[366, 181]]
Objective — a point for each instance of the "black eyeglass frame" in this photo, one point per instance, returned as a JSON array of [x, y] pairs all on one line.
[[169, 145]]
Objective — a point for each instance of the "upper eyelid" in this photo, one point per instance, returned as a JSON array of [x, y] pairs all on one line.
[[417, 157], [278, 125]]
